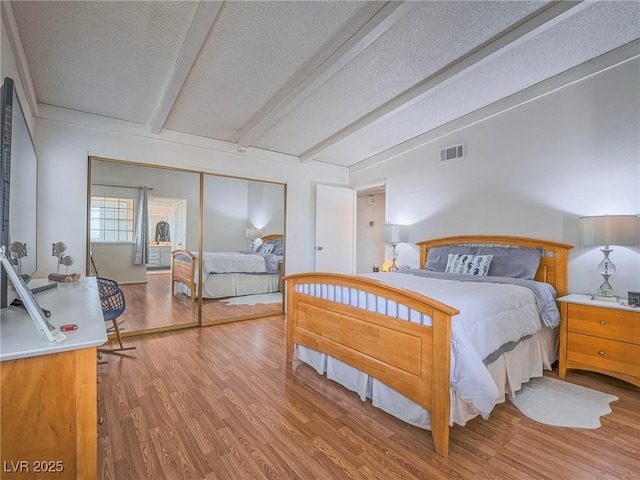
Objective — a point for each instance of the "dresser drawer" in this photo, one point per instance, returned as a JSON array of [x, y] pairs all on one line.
[[604, 322], [605, 354]]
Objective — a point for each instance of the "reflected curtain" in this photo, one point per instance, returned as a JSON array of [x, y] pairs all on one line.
[[141, 231]]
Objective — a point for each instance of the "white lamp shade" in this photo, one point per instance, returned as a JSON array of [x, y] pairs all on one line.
[[252, 233], [609, 230], [395, 234]]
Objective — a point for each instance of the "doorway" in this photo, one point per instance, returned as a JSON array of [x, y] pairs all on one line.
[[370, 217], [349, 228]]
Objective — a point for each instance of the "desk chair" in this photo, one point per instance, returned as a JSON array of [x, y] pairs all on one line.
[[113, 305]]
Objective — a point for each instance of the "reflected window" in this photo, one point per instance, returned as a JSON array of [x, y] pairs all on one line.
[[111, 219]]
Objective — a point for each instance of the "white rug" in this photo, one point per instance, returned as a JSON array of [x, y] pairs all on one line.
[[562, 404], [275, 297]]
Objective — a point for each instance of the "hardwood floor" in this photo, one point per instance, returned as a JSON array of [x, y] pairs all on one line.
[[220, 402], [151, 305]]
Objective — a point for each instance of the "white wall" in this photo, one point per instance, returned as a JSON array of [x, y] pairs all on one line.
[[266, 207], [225, 213], [531, 171]]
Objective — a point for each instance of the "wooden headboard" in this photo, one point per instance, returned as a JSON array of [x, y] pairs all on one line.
[[275, 236], [553, 268]]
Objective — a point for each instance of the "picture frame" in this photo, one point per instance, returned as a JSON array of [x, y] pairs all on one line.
[[31, 305]]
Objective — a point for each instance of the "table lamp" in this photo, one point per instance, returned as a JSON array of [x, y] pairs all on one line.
[[608, 230], [394, 234], [252, 234]]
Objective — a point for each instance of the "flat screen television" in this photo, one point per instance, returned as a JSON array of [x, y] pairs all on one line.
[[18, 192]]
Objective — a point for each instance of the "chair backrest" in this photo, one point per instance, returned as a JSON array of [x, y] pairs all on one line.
[[111, 298]]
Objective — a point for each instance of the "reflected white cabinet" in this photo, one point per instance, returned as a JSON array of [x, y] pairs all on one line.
[[159, 256]]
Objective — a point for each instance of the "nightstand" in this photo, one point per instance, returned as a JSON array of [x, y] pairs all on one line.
[[601, 337]]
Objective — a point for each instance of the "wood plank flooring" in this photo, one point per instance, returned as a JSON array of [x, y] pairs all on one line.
[[220, 402]]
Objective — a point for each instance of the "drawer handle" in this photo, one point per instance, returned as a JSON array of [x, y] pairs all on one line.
[[100, 421], [601, 322], [601, 353]]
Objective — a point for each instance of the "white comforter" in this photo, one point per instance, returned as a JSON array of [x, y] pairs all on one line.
[[491, 315]]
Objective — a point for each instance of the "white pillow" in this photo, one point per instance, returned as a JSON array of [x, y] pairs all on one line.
[[468, 264]]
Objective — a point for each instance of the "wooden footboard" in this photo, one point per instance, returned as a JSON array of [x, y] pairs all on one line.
[[183, 267], [413, 359]]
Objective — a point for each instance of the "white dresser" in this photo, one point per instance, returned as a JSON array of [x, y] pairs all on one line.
[[159, 256]]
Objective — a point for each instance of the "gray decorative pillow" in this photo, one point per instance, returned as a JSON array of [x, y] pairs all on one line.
[[277, 246], [519, 262], [513, 262], [438, 256]]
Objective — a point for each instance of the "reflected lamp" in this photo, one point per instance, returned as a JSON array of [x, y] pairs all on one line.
[[607, 230], [252, 234], [394, 234]]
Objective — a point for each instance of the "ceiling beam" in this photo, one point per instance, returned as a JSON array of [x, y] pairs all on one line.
[[198, 32], [365, 36], [554, 14]]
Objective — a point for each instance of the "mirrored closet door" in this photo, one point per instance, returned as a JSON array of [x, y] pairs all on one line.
[[138, 215], [243, 248], [146, 225]]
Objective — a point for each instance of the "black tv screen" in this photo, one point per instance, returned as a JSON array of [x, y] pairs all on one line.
[[19, 191]]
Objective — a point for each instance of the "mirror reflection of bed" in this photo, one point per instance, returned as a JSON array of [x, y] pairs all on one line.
[[235, 283]]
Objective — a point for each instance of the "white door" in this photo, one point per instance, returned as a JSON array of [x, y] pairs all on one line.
[[180, 227], [335, 229]]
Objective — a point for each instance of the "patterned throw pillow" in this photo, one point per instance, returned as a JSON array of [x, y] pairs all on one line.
[[267, 248], [468, 264]]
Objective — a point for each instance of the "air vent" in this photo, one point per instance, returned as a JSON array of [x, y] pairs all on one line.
[[452, 153]]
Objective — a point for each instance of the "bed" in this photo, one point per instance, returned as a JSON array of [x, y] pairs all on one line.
[[429, 371], [230, 274]]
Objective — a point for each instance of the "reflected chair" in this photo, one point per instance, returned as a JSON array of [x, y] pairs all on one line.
[[113, 305]]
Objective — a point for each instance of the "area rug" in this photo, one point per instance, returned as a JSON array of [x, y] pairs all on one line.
[[562, 404], [254, 299]]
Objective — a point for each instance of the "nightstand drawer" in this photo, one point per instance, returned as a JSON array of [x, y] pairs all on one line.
[[605, 322], [605, 354]]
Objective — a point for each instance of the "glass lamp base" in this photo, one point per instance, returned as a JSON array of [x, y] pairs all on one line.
[[394, 257], [606, 269]]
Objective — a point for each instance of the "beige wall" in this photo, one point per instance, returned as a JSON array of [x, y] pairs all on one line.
[[114, 261]]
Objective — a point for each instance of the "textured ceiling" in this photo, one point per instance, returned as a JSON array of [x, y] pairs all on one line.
[[332, 81]]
